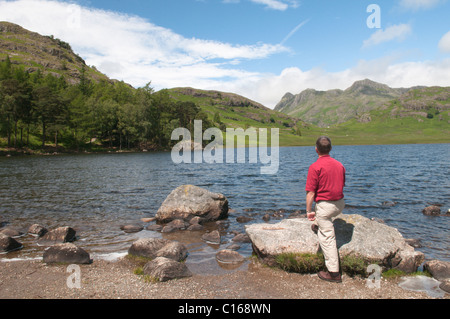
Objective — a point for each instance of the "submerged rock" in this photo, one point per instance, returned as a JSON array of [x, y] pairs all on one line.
[[355, 235], [229, 256], [188, 201], [212, 237], [432, 210], [132, 228]]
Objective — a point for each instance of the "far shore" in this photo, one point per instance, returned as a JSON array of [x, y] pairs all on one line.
[[52, 150]]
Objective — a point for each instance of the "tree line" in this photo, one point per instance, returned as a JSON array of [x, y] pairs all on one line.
[[38, 110]]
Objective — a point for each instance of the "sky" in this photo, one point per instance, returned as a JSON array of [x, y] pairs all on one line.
[[260, 49]]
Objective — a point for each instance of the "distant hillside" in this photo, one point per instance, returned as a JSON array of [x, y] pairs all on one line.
[[44, 53], [324, 108], [232, 110]]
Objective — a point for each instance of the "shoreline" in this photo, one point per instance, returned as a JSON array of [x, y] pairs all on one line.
[[33, 279], [52, 151]]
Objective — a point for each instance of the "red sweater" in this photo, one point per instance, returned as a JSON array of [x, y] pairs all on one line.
[[326, 178]]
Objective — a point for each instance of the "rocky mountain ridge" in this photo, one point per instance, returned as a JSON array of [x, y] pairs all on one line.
[[324, 108]]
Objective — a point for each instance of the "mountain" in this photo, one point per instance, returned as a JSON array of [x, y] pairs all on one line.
[[324, 108], [44, 53]]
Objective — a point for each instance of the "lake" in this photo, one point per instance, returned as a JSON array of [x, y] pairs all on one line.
[[97, 193]]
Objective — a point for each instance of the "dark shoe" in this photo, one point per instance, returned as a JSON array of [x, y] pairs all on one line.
[[314, 228], [330, 276]]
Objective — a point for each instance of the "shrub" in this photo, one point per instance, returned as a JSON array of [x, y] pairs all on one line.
[[301, 263]]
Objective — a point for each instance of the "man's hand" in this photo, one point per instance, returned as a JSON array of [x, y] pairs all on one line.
[[309, 206], [311, 216]]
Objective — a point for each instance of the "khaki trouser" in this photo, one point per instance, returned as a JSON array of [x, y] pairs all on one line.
[[325, 212]]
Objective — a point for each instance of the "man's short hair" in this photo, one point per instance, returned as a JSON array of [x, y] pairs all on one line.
[[323, 145]]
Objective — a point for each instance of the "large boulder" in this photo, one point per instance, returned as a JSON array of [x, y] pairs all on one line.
[[8, 244], [158, 247], [164, 269], [188, 201], [66, 253], [355, 235]]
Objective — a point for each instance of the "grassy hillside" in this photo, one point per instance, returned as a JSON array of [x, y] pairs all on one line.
[[234, 111], [44, 53]]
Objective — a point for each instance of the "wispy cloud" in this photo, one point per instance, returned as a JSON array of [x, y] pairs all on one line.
[[419, 4], [395, 32], [280, 5], [444, 44]]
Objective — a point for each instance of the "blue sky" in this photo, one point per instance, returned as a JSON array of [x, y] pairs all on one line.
[[258, 48]]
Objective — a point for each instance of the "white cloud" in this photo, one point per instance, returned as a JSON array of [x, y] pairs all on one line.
[[131, 48], [419, 4], [268, 89], [273, 4], [444, 44], [395, 32], [280, 5]]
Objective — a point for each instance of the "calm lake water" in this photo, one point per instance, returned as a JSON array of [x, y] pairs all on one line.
[[96, 194]]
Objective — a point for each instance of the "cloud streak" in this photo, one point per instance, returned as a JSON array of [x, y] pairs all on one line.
[[293, 31]]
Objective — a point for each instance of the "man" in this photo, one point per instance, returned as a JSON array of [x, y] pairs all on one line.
[[325, 185]]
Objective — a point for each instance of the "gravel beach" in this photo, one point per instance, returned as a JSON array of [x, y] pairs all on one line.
[[34, 279]]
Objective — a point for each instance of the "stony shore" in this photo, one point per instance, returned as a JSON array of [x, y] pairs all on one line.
[[34, 279]]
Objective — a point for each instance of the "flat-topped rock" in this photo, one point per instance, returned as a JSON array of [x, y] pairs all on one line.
[[355, 235]]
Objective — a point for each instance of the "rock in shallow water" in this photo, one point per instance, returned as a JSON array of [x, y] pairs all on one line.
[[212, 237], [58, 235], [188, 201], [132, 228], [229, 256], [8, 244], [156, 247]]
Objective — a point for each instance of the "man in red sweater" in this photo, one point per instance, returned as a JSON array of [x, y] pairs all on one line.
[[325, 185]]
